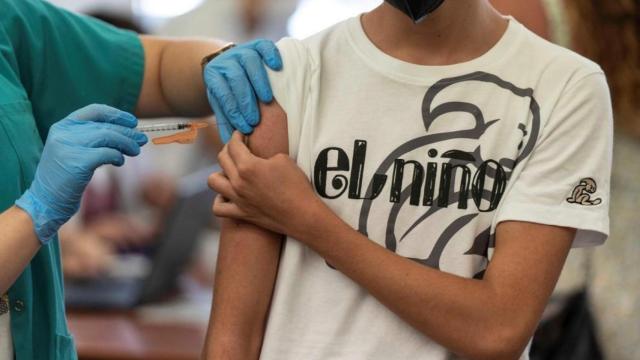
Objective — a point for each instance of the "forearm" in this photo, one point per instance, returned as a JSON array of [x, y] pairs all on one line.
[[173, 84], [449, 309], [245, 275], [18, 244]]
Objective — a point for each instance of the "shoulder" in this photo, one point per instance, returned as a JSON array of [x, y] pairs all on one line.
[[309, 51], [300, 65], [295, 53], [13, 10], [297, 84], [555, 60], [11, 14], [296, 67], [574, 77], [12, 6]]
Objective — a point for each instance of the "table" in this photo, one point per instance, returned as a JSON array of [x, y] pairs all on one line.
[[127, 336]]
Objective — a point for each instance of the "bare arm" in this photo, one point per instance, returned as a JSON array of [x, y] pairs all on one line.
[[18, 244], [173, 84], [492, 318], [247, 264]]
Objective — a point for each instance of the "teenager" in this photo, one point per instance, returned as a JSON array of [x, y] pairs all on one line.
[[442, 162]]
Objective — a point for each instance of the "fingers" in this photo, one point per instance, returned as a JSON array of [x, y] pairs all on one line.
[[220, 184], [222, 208], [104, 156], [259, 79], [227, 100], [114, 140], [235, 78], [106, 114], [242, 90], [227, 164], [137, 136], [239, 153], [222, 123], [270, 54]]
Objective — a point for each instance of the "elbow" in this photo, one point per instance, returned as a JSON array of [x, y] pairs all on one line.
[[502, 342]]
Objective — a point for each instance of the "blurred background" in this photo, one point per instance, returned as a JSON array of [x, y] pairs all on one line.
[[140, 255]]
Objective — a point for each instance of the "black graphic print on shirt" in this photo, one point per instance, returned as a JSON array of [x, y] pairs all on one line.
[[466, 180]]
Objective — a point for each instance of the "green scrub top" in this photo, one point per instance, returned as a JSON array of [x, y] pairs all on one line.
[[52, 62]]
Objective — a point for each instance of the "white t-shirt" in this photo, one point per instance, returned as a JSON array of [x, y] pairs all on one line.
[[426, 161]]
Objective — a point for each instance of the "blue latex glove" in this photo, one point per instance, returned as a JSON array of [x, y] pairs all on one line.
[[88, 138], [233, 81]]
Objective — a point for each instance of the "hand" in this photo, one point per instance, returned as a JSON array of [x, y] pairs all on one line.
[[88, 138], [272, 193], [233, 80]]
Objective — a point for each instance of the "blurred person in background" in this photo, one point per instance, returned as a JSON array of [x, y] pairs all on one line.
[[608, 32], [121, 211], [234, 20], [383, 80], [531, 14], [68, 87]]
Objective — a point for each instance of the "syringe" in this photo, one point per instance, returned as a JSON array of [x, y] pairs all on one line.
[[166, 126]]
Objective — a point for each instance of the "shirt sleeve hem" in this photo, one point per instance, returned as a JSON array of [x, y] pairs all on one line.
[[592, 228], [132, 63]]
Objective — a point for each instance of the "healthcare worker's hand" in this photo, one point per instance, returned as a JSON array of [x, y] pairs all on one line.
[[233, 81], [88, 138]]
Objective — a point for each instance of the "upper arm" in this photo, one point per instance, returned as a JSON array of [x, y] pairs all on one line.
[[270, 137], [152, 100], [537, 220], [574, 148], [247, 261], [524, 269]]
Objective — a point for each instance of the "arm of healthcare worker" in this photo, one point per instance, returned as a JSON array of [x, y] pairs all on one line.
[[175, 85], [86, 139], [504, 306], [247, 263]]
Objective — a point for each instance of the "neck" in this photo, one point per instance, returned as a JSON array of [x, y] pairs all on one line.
[[458, 31]]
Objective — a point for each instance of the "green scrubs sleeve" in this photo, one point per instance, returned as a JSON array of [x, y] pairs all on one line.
[[68, 61]]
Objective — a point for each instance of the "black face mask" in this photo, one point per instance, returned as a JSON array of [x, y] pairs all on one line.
[[416, 9]]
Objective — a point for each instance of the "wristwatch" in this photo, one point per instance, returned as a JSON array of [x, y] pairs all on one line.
[[208, 58]]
